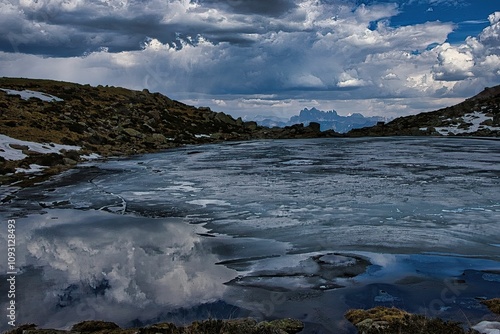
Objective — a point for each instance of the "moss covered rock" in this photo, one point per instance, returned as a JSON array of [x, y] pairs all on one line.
[[383, 320]]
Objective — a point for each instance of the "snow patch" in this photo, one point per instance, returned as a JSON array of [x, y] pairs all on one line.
[[202, 136], [8, 152], [34, 168], [28, 94], [92, 156], [475, 119]]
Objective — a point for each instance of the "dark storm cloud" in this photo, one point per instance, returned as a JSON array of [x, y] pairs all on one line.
[[274, 8], [53, 31]]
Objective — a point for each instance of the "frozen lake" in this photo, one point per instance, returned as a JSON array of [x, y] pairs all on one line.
[[291, 228]]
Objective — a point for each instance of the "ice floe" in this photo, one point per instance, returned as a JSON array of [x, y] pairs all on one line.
[[205, 202]]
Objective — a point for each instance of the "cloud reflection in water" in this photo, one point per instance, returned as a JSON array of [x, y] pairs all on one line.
[[92, 264]]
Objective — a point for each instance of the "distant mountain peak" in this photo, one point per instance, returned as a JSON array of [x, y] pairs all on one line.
[[328, 120]]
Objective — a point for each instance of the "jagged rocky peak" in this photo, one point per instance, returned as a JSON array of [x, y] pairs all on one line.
[[331, 120], [313, 112]]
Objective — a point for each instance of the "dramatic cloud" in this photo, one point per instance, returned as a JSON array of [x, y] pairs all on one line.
[[227, 53], [476, 58]]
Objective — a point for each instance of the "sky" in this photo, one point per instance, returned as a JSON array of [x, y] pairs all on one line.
[[263, 57]]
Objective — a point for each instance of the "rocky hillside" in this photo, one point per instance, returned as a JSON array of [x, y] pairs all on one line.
[[109, 121], [477, 116]]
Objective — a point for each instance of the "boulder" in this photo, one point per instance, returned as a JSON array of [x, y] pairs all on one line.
[[290, 326], [155, 114], [70, 162], [314, 127], [161, 328], [224, 118], [251, 125], [159, 138], [51, 159], [133, 133]]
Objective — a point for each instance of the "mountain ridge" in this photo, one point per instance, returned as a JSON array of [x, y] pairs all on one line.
[[328, 120]]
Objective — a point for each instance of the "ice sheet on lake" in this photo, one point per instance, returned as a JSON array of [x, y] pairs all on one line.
[[416, 209], [206, 202]]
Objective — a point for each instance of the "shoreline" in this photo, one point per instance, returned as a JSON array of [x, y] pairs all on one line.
[[377, 320], [21, 179]]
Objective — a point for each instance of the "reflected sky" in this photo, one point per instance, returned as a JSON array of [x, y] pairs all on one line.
[[77, 264]]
